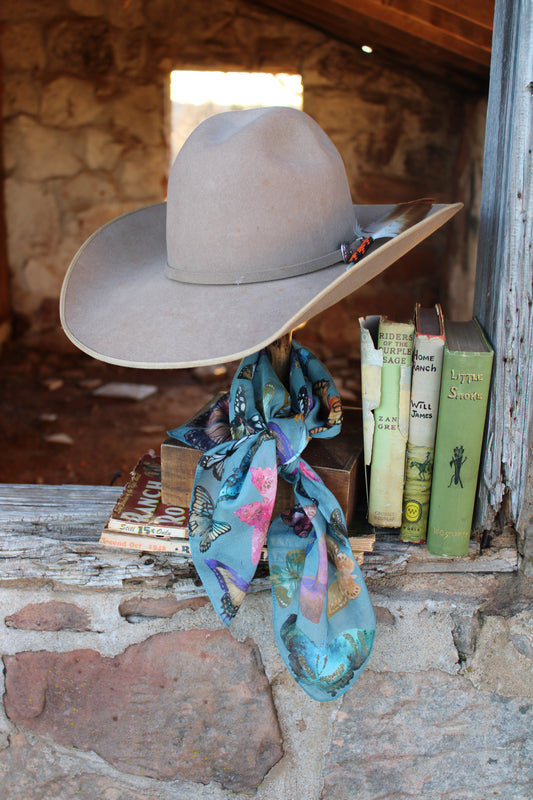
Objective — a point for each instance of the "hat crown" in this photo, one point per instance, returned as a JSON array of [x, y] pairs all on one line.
[[254, 191]]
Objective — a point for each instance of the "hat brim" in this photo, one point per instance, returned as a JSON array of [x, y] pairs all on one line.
[[118, 306]]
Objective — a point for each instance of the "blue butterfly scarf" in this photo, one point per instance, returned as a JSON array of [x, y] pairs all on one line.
[[252, 437]]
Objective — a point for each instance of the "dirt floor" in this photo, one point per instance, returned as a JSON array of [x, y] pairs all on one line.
[[54, 429]]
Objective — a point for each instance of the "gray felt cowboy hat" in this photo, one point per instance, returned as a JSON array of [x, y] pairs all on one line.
[[258, 234]]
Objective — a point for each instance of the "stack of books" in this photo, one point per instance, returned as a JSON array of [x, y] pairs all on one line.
[[141, 521], [425, 388]]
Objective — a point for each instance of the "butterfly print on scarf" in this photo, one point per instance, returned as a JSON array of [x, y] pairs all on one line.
[[201, 522], [286, 580], [265, 480], [233, 484], [246, 373], [216, 461], [303, 401], [301, 492], [337, 529], [284, 449], [233, 586], [299, 518], [241, 425], [306, 470], [335, 411], [269, 391], [259, 512], [313, 587], [303, 357], [331, 407], [198, 439], [344, 588], [330, 668], [320, 390], [211, 427]]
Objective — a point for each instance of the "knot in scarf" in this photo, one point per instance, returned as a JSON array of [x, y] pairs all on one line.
[[253, 436]]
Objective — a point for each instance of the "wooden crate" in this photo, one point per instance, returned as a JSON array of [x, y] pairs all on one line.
[[338, 461]]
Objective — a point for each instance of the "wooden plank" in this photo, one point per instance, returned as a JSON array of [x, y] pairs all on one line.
[[67, 511], [504, 276], [478, 11], [392, 557], [49, 535], [390, 22], [427, 20], [390, 44]]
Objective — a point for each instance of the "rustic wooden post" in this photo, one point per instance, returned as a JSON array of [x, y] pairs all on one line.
[[503, 297], [279, 352]]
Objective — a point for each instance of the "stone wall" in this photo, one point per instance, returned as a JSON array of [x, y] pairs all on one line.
[[119, 682], [86, 116]]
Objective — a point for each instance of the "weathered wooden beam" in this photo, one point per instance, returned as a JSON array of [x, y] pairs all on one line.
[[432, 22], [479, 11], [49, 536], [394, 24], [504, 278]]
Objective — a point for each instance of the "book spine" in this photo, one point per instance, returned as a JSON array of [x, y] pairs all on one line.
[[139, 529], [461, 421], [371, 364], [428, 354], [391, 425], [129, 541]]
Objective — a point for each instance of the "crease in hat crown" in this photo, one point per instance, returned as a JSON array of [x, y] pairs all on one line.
[[256, 195]]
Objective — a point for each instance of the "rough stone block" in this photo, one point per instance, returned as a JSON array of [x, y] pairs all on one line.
[[80, 47], [40, 152], [413, 635], [33, 771], [22, 46], [51, 616], [33, 217], [503, 658], [68, 102], [429, 735], [194, 705], [153, 607]]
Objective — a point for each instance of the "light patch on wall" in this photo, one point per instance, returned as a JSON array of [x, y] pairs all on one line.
[[197, 95]]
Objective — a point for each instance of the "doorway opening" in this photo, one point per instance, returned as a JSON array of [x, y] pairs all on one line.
[[196, 95]]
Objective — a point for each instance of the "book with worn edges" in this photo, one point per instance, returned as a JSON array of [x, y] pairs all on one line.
[[465, 385], [151, 544], [140, 509], [386, 361], [142, 543], [428, 350]]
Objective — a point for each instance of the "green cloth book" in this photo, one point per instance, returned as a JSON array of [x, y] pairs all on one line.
[[466, 374], [428, 351], [389, 385]]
